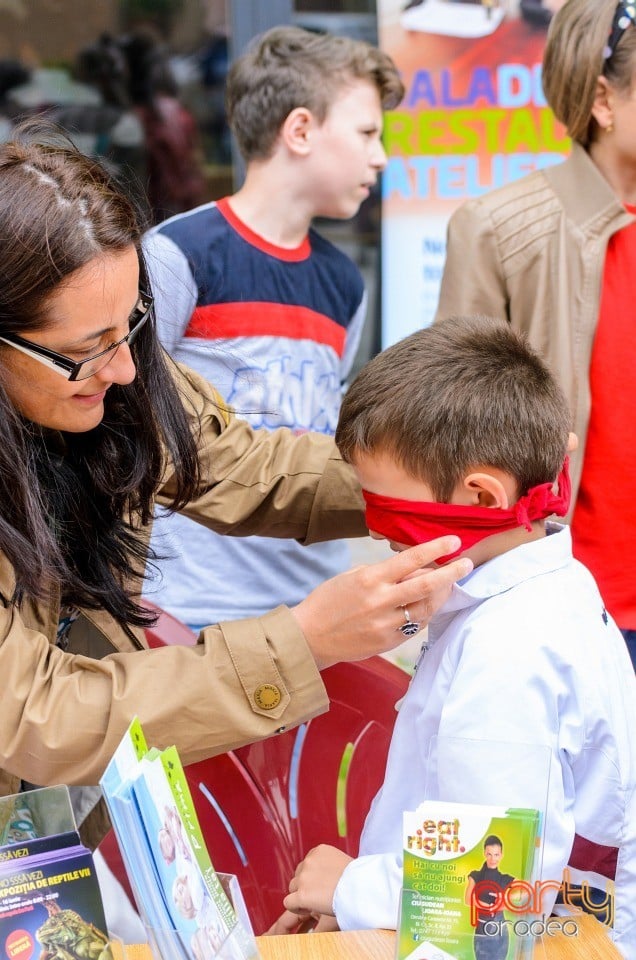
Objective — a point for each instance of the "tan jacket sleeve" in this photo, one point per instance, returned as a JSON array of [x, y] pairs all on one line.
[[268, 483], [64, 714], [473, 281]]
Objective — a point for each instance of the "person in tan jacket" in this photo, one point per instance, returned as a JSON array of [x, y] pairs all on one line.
[[96, 426], [554, 254]]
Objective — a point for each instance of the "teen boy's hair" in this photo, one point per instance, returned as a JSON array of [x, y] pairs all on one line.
[[465, 392], [288, 67]]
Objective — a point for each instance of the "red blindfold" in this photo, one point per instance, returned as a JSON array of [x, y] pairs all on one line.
[[412, 521]]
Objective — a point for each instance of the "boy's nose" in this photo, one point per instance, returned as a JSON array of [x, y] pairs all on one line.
[[380, 158]]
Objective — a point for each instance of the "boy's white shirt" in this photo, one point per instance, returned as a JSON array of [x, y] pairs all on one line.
[[173, 286], [535, 664]]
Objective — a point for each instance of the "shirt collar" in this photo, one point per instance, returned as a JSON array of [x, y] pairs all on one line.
[[511, 568]]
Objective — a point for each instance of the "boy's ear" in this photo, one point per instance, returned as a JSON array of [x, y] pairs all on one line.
[[485, 490], [602, 108], [296, 130]]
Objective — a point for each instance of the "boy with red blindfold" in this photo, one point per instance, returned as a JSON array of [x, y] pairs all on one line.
[[461, 428]]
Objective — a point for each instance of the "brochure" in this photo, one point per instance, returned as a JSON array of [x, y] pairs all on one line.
[[178, 892], [468, 881], [50, 902], [116, 785]]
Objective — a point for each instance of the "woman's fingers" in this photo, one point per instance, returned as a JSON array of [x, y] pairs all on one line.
[[357, 614], [400, 565], [424, 592]]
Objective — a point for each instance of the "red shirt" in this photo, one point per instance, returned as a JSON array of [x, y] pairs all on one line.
[[604, 523]]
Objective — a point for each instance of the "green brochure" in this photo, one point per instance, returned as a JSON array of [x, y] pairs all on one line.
[[469, 882]]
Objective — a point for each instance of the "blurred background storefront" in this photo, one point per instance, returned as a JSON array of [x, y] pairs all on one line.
[[140, 83]]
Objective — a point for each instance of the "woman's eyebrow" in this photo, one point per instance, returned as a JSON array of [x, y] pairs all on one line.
[[95, 335], [91, 336]]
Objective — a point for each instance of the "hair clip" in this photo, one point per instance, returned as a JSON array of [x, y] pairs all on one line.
[[624, 14]]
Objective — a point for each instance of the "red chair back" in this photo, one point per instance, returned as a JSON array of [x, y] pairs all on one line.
[[168, 631]]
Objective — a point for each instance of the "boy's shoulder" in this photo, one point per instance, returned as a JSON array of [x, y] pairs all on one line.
[[546, 624], [191, 226], [539, 586], [325, 249]]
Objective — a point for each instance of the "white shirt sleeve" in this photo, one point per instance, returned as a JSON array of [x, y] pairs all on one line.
[[368, 893], [173, 288], [501, 740]]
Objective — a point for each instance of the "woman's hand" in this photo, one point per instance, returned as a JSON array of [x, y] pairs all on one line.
[[358, 613]]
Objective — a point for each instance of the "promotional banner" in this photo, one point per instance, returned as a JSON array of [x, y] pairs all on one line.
[[473, 118]]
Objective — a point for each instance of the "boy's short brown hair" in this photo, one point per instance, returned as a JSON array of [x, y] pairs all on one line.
[[288, 67], [464, 393]]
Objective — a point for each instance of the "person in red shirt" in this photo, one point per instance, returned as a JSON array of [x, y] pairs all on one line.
[[555, 254]]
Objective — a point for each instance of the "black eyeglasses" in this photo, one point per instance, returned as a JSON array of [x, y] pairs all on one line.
[[82, 370], [624, 15]]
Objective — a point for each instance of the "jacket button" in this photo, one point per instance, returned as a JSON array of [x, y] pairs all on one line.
[[267, 696]]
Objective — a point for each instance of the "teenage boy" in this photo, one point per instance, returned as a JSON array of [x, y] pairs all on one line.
[[259, 303], [461, 428]]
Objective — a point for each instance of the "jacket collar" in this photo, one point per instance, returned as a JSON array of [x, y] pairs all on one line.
[[586, 196], [7, 578], [43, 616]]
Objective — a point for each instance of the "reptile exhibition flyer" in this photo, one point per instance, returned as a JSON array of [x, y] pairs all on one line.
[[50, 903]]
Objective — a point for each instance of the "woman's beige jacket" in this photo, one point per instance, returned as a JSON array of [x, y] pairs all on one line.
[[532, 253], [63, 713]]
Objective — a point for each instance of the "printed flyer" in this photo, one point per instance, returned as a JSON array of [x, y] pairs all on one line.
[[185, 909], [50, 902], [468, 875]]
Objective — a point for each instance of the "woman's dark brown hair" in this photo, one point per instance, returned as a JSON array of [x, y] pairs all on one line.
[[72, 504]]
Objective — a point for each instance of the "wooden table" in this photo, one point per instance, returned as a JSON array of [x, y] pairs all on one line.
[[349, 945], [591, 943]]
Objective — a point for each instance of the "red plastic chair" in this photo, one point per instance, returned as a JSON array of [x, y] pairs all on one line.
[[168, 631], [264, 806]]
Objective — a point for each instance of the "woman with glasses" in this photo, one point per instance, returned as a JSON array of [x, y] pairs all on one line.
[[555, 255], [96, 426]]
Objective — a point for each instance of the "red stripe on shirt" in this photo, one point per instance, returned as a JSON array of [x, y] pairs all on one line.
[[221, 321], [594, 857], [291, 254]]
